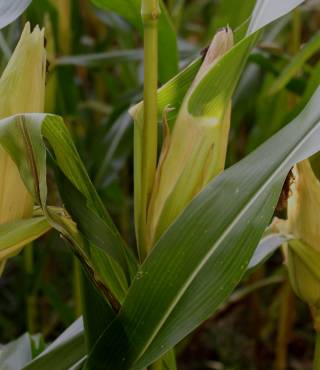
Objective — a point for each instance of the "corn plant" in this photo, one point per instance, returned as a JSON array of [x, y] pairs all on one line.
[[197, 224]]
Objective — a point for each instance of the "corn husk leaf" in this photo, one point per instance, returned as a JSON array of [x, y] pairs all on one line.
[[208, 99], [303, 263], [195, 152]]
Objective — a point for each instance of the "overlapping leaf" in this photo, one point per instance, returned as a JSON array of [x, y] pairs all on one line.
[[204, 254], [22, 136]]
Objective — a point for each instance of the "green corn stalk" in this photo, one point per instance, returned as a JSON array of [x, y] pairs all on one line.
[[22, 90], [150, 12]]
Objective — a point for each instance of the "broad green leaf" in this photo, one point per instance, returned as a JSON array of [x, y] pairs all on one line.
[[267, 11], [168, 52], [64, 352], [22, 136], [204, 254], [296, 64], [11, 10]]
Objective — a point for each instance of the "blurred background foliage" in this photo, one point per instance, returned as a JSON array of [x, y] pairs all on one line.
[[94, 76]]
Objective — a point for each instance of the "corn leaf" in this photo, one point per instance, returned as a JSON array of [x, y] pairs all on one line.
[[168, 51], [204, 254], [67, 350], [22, 137], [267, 11], [11, 10]]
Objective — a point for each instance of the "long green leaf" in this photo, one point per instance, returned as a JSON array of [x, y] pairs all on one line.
[[168, 50], [204, 254], [11, 10]]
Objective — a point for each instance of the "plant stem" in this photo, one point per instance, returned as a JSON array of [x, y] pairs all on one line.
[[316, 362], [31, 298], [150, 12], [285, 323], [77, 287]]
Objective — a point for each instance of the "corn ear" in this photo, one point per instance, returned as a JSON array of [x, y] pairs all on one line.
[[304, 271], [22, 87], [195, 152], [303, 253]]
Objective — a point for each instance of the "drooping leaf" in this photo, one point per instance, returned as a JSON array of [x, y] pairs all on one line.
[[204, 254], [22, 137], [267, 11]]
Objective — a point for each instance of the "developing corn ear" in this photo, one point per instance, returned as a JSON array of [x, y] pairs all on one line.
[[192, 154], [22, 87], [303, 223]]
